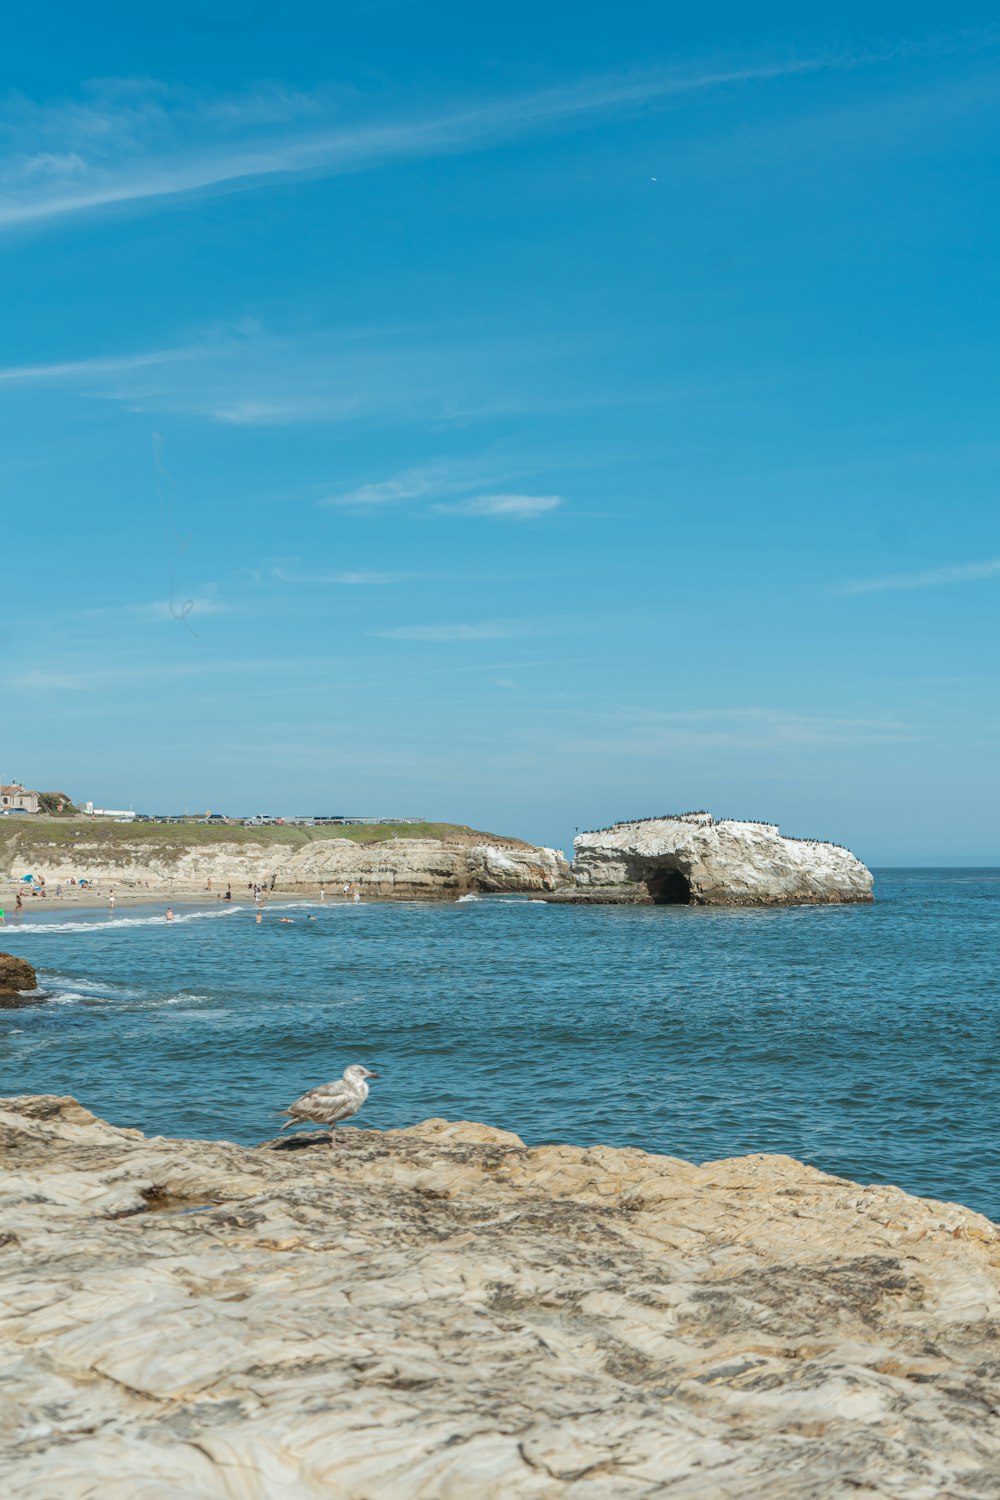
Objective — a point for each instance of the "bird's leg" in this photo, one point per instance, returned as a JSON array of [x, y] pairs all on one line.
[[333, 1137]]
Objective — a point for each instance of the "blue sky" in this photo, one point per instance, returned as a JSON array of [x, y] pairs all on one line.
[[527, 416]]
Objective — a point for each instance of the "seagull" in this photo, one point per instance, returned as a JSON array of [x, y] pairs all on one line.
[[331, 1102]]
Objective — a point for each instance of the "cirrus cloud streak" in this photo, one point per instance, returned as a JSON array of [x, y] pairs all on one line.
[[503, 507]]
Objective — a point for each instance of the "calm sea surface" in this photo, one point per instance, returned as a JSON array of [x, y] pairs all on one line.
[[861, 1039]]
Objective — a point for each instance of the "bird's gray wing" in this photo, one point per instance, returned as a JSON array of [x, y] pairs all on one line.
[[330, 1095]]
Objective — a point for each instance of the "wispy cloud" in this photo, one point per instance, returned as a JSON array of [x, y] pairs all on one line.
[[65, 681], [503, 507], [88, 370], [138, 141], [348, 580], [242, 375], [174, 609], [637, 731], [179, 606], [146, 674], [97, 373], [281, 412], [933, 578], [490, 631], [421, 482]]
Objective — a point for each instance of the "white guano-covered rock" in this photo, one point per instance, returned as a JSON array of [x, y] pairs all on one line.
[[693, 858]]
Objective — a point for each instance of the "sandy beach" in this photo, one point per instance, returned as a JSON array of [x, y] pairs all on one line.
[[95, 897]]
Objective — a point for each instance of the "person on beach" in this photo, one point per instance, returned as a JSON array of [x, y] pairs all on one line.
[[322, 894], [229, 893], [18, 903], [3, 917], [111, 899]]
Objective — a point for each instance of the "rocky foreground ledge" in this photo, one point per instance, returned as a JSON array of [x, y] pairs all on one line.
[[441, 1313]]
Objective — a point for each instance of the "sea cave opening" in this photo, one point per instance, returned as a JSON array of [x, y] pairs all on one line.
[[669, 888]]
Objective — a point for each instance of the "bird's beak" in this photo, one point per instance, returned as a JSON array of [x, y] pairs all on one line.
[[372, 1075]]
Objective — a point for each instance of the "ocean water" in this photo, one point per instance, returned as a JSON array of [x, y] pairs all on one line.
[[861, 1039]]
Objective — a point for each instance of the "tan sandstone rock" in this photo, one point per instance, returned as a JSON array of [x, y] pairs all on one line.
[[404, 868], [443, 1314], [16, 976]]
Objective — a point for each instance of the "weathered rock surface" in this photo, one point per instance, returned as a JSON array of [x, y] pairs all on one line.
[[439, 1313], [405, 868], [16, 975], [693, 859]]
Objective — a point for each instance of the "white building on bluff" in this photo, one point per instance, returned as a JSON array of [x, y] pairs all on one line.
[[123, 815], [15, 796]]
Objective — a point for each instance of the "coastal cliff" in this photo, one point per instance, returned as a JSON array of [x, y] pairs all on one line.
[[415, 862], [440, 1311], [694, 859]]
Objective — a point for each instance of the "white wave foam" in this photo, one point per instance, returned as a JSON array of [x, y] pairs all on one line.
[[81, 990], [91, 987], [82, 924]]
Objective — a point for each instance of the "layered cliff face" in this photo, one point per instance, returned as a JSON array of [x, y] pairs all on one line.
[[441, 1312], [692, 859], [391, 867]]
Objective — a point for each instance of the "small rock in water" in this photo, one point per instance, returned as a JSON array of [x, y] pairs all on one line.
[[16, 975]]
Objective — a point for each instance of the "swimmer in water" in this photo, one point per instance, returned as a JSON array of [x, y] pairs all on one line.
[[259, 917], [286, 919], [170, 914]]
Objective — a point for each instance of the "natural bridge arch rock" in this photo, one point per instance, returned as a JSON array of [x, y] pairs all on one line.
[[694, 859]]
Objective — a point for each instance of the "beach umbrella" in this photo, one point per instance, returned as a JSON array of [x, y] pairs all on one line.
[[26, 877]]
